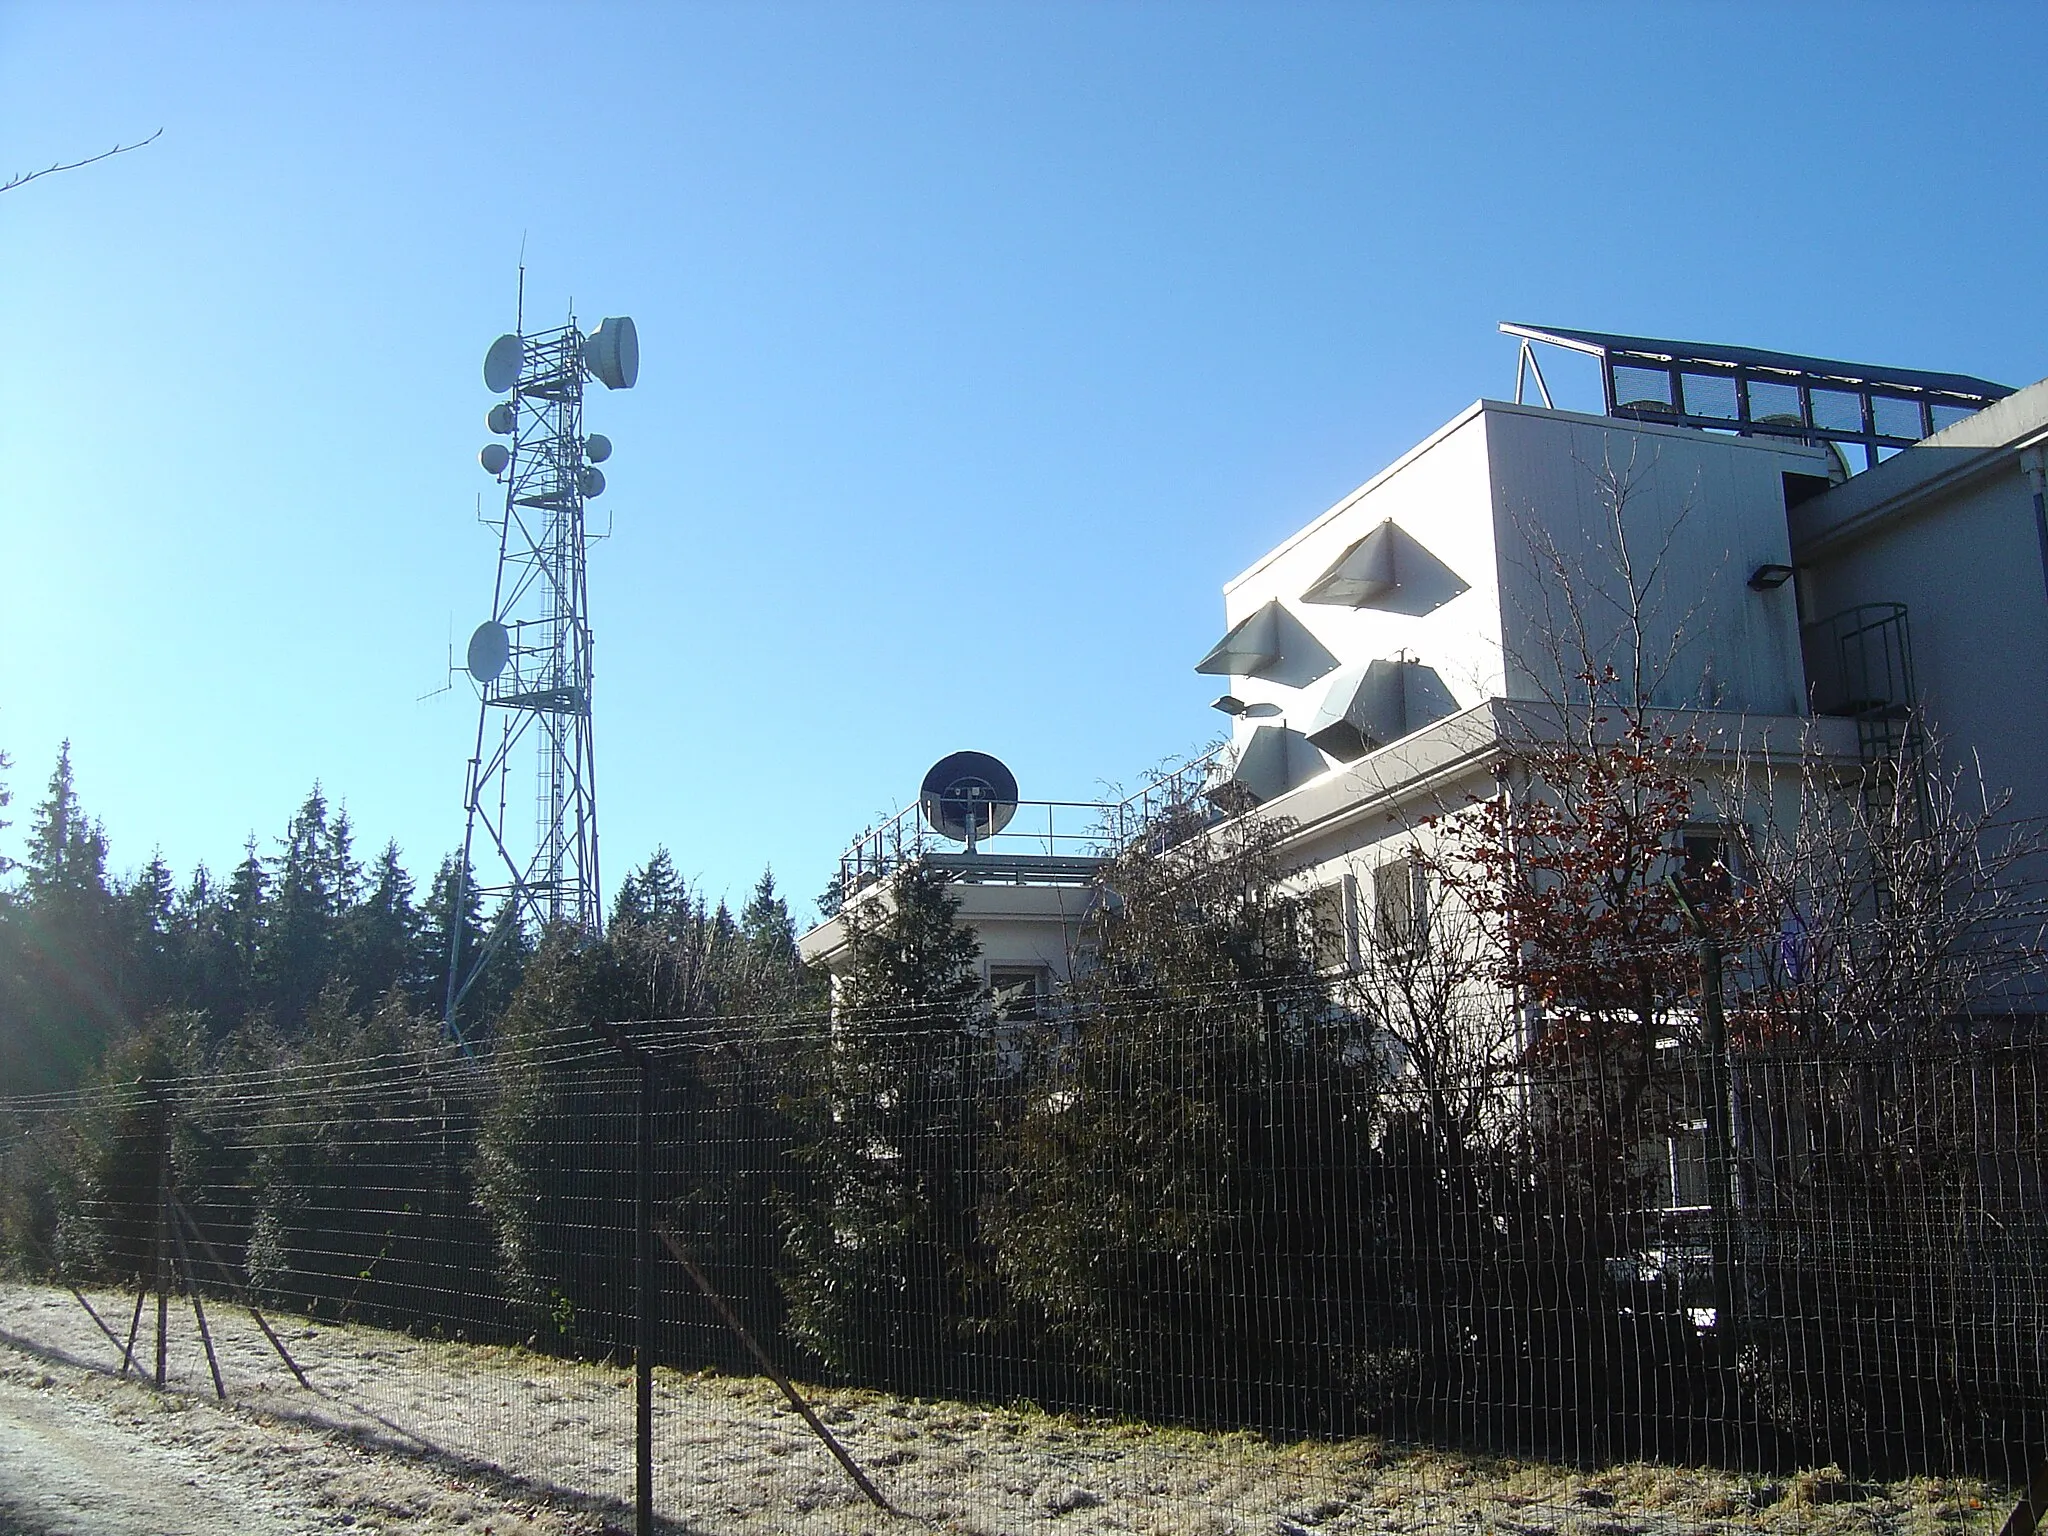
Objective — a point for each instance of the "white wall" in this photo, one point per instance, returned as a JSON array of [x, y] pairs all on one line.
[[1968, 567], [1704, 509], [1438, 493], [1700, 513]]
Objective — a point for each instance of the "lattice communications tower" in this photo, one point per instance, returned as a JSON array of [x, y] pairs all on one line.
[[530, 660]]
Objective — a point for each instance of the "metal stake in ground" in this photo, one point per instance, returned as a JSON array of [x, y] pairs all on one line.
[[241, 1292], [796, 1401], [198, 1309]]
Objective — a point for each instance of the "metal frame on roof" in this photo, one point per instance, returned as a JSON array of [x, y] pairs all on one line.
[[1876, 398]]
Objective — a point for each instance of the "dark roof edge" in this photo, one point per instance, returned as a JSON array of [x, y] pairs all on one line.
[[1680, 352]]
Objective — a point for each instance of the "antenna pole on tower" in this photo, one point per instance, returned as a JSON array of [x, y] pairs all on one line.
[[531, 660]]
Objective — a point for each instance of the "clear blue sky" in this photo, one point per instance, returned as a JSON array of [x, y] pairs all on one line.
[[981, 345]]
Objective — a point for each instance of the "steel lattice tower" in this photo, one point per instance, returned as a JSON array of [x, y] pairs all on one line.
[[531, 660]]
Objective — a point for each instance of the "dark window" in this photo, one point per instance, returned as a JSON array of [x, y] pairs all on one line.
[[1400, 900], [1707, 866], [1019, 990]]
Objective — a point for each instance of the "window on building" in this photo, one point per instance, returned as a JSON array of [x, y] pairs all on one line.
[[1686, 1149], [1332, 934], [1709, 864], [1019, 991], [1400, 900]]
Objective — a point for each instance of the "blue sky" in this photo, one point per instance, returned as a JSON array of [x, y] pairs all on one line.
[[981, 345]]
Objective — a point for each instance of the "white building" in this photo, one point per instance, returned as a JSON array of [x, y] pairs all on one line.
[[1955, 531], [1384, 660]]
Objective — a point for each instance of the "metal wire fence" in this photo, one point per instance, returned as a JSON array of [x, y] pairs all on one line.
[[1244, 1215]]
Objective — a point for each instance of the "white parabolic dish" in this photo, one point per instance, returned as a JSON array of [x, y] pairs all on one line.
[[494, 458], [501, 364], [612, 352], [489, 649]]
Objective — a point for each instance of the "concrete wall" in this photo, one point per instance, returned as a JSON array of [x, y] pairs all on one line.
[[1042, 926], [1437, 493], [1967, 565], [1699, 513]]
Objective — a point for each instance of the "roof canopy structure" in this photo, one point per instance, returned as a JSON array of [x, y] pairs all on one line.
[[1774, 394]]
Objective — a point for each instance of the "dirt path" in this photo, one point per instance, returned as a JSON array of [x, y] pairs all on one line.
[[405, 1435], [70, 1467], [84, 1453]]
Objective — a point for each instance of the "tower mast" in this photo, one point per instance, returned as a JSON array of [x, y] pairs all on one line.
[[531, 660]]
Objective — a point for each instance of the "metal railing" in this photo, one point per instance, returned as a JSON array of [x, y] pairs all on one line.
[[1044, 841], [1058, 833]]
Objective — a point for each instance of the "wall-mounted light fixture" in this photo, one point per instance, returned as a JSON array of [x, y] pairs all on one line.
[[1768, 578]]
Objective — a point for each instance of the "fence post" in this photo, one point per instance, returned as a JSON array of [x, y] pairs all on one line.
[[643, 1271], [160, 1257], [1720, 1155]]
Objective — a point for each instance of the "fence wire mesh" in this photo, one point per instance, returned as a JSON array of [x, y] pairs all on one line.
[[1244, 1219]]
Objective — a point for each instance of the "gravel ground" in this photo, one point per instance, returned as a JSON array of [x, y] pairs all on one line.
[[403, 1435]]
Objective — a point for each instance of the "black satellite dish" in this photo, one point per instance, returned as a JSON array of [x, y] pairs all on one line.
[[968, 795]]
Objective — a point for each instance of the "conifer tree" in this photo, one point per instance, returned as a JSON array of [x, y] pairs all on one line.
[[1150, 1197], [145, 940], [67, 1006], [380, 939], [771, 977], [243, 921], [314, 881], [888, 1271], [66, 868]]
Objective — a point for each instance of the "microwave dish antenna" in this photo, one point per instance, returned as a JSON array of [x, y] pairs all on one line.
[[968, 795], [490, 648], [494, 457], [597, 448], [502, 419], [612, 353], [502, 363]]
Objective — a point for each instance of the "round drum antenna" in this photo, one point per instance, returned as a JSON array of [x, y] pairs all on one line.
[[967, 796]]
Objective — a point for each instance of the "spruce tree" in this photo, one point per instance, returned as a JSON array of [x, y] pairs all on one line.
[[66, 868], [380, 938], [67, 1006], [243, 920], [145, 938], [310, 880], [888, 1273]]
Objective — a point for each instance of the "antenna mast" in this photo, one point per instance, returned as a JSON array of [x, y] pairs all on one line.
[[531, 660]]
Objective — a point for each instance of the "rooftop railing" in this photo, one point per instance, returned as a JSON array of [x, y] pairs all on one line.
[[1044, 841]]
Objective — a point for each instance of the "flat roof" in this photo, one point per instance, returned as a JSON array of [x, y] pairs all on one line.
[[1477, 410]]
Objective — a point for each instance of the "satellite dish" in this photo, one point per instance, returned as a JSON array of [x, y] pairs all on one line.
[[593, 482], [612, 353], [501, 418], [597, 447], [501, 364], [489, 649], [968, 795], [494, 458]]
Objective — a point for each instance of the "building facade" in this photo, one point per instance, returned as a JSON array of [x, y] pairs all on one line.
[[1793, 559]]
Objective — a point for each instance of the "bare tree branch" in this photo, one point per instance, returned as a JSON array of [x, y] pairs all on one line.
[[50, 170]]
